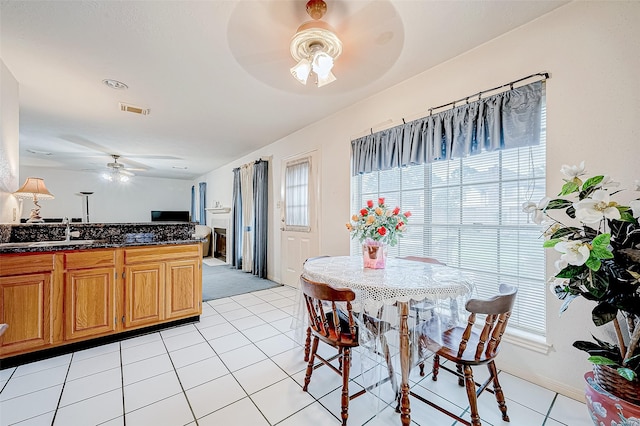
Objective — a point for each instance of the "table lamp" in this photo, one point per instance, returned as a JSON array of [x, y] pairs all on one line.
[[34, 187]]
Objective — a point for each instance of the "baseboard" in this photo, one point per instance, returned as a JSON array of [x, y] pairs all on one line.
[[548, 383]]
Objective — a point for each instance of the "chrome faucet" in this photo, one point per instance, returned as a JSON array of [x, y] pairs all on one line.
[[67, 231]]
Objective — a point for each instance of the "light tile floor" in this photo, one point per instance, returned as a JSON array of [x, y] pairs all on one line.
[[239, 365]]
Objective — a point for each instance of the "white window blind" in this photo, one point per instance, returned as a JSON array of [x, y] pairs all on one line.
[[468, 214], [297, 195]]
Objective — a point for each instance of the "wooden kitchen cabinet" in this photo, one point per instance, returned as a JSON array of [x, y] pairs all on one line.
[[166, 289], [56, 298], [90, 298], [144, 294], [183, 288], [26, 295]]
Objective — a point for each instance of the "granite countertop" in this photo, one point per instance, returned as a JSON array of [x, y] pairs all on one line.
[[34, 238], [38, 247]]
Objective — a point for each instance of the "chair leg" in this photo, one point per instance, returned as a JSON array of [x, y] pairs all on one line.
[[307, 345], [497, 389], [307, 377], [346, 363], [436, 367], [460, 375], [470, 384]]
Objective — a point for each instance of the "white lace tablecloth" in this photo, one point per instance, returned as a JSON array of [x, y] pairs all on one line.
[[401, 281]]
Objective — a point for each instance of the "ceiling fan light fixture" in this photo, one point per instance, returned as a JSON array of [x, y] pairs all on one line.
[[315, 47], [322, 64], [323, 81], [301, 70]]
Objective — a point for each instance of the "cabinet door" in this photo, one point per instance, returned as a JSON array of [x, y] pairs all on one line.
[[144, 294], [89, 302], [26, 306], [183, 288]]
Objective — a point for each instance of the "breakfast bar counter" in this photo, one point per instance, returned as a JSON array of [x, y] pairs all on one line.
[[63, 285]]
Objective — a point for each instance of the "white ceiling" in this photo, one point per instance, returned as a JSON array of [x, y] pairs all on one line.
[[215, 74]]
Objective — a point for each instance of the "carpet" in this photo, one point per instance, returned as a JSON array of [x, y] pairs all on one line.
[[223, 281]]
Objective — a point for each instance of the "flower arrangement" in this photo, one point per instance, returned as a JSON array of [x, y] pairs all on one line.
[[378, 223], [599, 242]]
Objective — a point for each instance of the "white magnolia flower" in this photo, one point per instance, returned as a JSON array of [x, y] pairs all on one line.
[[607, 182], [571, 172], [635, 208], [536, 210], [560, 264], [592, 210], [573, 252]]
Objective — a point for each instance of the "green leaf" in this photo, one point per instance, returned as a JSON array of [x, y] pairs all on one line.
[[593, 263], [570, 271], [626, 216], [602, 240], [551, 243], [601, 360], [591, 182], [569, 188], [627, 373], [603, 313], [600, 252], [571, 212], [563, 232], [558, 203]]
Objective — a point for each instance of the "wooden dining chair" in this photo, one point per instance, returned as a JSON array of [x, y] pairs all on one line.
[[307, 342], [336, 327], [467, 347]]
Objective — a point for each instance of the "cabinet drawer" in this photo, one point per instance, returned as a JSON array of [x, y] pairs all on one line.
[[25, 263], [89, 259], [160, 253]]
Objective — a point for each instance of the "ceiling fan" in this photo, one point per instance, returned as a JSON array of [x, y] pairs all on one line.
[[117, 171], [371, 34]]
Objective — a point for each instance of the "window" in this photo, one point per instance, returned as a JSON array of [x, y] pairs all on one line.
[[468, 214], [297, 195]]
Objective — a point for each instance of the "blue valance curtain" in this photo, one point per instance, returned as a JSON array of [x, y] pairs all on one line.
[[509, 119]]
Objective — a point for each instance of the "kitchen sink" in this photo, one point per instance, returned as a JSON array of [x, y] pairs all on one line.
[[60, 243]]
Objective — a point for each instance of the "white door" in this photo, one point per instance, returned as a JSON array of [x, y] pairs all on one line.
[[299, 214]]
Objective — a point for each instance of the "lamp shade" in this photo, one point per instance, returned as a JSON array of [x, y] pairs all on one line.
[[33, 188]]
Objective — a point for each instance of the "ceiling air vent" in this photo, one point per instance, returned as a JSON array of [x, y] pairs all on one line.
[[134, 109]]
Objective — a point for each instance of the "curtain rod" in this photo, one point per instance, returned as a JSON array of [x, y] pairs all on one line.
[[543, 74], [251, 163]]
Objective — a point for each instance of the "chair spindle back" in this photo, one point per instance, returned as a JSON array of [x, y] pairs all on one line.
[[319, 296]]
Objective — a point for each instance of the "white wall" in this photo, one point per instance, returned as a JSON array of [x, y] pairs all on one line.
[[9, 151], [592, 50], [110, 202]]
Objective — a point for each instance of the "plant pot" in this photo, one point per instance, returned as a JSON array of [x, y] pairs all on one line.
[[606, 408], [374, 254], [609, 380]]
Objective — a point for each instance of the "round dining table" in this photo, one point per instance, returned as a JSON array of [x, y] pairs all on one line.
[[400, 284]]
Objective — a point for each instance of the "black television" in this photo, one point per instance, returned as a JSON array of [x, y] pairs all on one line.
[[169, 216]]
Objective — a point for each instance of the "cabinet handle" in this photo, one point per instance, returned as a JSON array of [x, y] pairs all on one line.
[[123, 275], [123, 319]]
